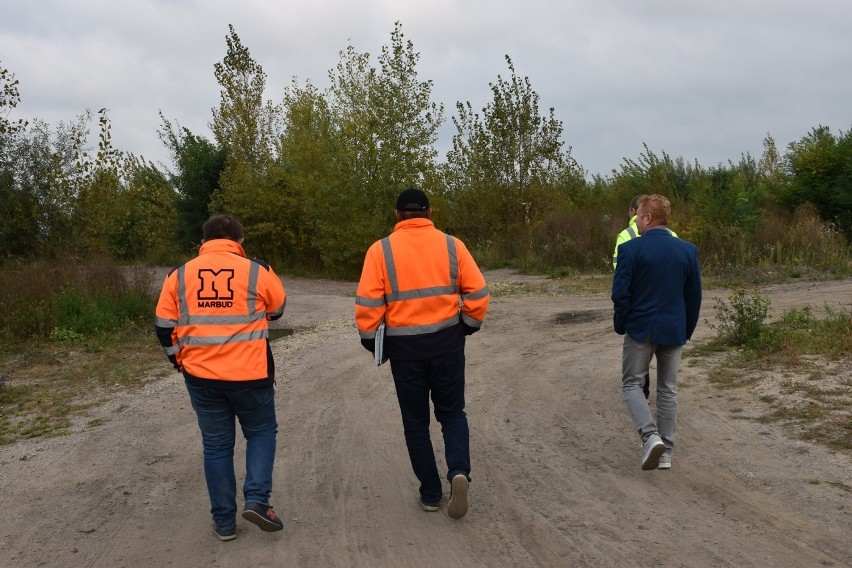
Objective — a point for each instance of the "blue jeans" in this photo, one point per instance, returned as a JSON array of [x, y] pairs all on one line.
[[216, 409], [443, 378], [635, 363]]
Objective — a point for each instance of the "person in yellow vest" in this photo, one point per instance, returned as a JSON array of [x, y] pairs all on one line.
[[212, 322], [631, 232], [426, 288], [628, 234]]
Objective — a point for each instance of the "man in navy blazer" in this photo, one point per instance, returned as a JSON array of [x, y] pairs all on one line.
[[656, 295]]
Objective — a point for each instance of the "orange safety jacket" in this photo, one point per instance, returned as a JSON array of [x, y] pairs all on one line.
[[419, 281], [213, 311]]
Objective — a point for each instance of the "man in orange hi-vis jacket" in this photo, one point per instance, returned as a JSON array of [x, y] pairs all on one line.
[[212, 322], [428, 291]]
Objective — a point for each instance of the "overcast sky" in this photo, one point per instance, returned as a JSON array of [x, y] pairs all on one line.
[[699, 79]]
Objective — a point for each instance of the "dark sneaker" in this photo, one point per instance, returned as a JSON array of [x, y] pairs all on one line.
[[457, 506], [227, 534], [263, 516], [429, 507]]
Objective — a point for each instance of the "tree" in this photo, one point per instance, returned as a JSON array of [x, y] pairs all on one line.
[[243, 123], [19, 231], [18, 206], [771, 167], [306, 152], [507, 169], [9, 99], [383, 130], [820, 166], [199, 164], [43, 173], [147, 216], [97, 186], [252, 186]]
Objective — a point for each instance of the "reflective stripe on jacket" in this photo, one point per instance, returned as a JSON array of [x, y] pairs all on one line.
[[419, 280], [217, 306], [631, 232]]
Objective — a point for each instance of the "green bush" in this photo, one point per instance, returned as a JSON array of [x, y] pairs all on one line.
[[742, 319], [801, 330], [797, 318], [67, 299], [86, 315]]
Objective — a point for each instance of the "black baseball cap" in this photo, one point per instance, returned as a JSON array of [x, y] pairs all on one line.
[[412, 200]]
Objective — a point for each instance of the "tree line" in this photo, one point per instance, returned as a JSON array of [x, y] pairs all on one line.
[[313, 179]]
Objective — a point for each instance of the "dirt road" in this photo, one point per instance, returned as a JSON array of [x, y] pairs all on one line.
[[556, 478]]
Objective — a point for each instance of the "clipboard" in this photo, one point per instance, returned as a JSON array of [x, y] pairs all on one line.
[[379, 351]]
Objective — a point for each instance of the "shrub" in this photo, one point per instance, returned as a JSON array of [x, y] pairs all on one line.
[[579, 239], [86, 314], [804, 240], [742, 321], [64, 298]]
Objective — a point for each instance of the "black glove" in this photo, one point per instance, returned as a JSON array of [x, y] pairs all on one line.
[[469, 329]]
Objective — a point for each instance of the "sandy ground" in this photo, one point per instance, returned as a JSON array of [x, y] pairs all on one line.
[[556, 477]]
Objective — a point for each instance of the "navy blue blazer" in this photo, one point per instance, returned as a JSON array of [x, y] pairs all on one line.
[[656, 290]]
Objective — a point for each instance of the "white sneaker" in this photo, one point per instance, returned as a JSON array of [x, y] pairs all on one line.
[[665, 460], [651, 452]]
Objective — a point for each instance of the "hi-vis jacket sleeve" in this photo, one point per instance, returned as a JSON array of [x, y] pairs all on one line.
[[370, 303], [273, 294], [167, 318], [473, 288]]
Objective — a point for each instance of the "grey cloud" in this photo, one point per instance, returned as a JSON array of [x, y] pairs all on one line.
[[701, 79]]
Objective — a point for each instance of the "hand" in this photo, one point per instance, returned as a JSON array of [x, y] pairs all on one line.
[[618, 324]]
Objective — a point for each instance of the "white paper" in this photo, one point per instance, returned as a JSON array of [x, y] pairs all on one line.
[[379, 352]]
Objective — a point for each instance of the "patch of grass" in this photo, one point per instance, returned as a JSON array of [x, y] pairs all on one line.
[[72, 332], [807, 411], [727, 377], [799, 365], [800, 332], [584, 284], [836, 484], [47, 384]]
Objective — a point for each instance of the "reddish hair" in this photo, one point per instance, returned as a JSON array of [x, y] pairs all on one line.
[[658, 206]]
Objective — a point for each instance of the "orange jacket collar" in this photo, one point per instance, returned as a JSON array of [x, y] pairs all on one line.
[[222, 245], [416, 223]]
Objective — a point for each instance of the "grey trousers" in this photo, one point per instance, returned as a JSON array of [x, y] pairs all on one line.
[[635, 362]]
